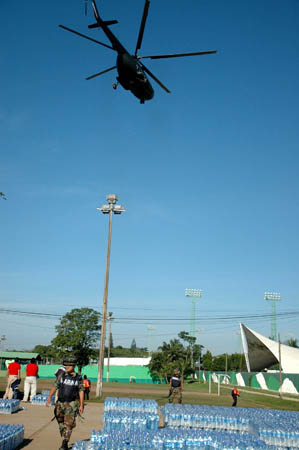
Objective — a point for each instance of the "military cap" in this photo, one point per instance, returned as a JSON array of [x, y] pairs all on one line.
[[69, 361]]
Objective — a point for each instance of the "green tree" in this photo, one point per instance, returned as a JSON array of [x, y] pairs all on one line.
[[170, 356], [133, 346], [292, 342], [77, 335], [207, 360], [45, 351]]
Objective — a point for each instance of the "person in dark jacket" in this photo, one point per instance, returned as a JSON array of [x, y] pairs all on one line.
[[175, 387], [235, 395], [70, 401]]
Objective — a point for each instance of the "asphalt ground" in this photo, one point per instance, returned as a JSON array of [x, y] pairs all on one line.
[[42, 434]]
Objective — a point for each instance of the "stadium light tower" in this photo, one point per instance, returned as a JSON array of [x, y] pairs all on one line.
[[195, 294], [110, 209], [273, 297]]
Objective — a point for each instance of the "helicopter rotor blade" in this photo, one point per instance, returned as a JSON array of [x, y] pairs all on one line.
[[100, 73], [154, 78], [142, 25], [84, 36], [177, 55]]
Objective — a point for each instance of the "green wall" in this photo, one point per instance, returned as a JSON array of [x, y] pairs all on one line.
[[141, 374]]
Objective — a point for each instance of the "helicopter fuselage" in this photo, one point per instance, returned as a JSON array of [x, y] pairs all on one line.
[[132, 77]]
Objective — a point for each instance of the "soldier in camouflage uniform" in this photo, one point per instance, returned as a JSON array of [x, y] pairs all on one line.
[[70, 400], [175, 387]]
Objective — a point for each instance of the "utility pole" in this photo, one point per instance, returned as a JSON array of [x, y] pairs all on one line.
[[150, 339], [198, 331], [106, 209], [273, 297], [280, 374], [110, 318], [238, 332]]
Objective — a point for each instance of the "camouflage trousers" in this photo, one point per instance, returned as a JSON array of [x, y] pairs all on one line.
[[65, 414], [175, 392]]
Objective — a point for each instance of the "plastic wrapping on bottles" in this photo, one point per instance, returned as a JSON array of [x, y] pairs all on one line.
[[9, 406], [11, 436]]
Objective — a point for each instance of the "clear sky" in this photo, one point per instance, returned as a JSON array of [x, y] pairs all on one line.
[[208, 174]]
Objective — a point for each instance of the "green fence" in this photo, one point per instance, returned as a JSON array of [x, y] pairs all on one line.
[[260, 380]]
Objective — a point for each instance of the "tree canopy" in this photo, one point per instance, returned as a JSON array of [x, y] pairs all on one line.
[[77, 335], [174, 355]]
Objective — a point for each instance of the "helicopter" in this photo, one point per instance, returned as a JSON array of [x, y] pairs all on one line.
[[132, 73]]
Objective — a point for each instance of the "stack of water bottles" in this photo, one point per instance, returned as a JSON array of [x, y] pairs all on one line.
[[195, 426], [206, 417], [9, 406], [274, 427], [130, 414], [131, 405], [11, 436], [41, 399], [172, 438]]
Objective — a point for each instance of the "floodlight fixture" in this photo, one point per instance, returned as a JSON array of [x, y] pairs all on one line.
[[195, 293], [272, 296]]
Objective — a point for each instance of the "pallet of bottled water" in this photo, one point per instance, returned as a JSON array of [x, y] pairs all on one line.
[[131, 404], [9, 406], [274, 427], [11, 436], [41, 399], [163, 439]]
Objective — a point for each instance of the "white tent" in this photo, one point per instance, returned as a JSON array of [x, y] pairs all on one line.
[[261, 352]]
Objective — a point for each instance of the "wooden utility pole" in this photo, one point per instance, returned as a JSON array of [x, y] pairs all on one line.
[[99, 387], [110, 318]]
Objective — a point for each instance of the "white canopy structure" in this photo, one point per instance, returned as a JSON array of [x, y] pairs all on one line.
[[261, 352]]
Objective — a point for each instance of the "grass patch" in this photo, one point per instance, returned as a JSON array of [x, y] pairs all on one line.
[[194, 393]]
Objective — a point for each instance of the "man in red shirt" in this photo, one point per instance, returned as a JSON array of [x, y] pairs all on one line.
[[13, 374], [30, 380]]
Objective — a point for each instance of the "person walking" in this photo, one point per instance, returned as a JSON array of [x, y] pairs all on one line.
[[30, 384], [175, 387], [70, 401], [13, 373], [86, 385], [235, 395]]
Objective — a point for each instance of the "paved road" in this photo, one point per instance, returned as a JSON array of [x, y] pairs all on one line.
[[42, 434]]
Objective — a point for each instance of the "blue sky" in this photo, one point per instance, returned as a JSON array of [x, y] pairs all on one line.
[[208, 174]]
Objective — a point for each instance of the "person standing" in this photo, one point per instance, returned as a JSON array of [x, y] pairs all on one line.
[[235, 395], [13, 373], [30, 384], [175, 387], [86, 385], [70, 400]]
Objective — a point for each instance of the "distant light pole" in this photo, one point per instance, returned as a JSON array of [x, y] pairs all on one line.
[[110, 318], [150, 338], [273, 297], [3, 339], [194, 294], [106, 209]]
